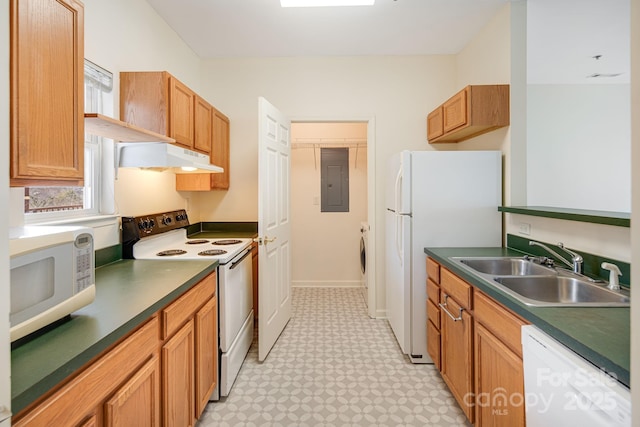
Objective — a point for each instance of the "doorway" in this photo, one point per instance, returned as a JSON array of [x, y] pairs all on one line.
[[325, 244]]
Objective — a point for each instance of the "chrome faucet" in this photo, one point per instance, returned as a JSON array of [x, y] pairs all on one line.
[[576, 259]]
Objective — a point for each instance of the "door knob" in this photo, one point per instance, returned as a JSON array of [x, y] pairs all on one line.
[[264, 240]]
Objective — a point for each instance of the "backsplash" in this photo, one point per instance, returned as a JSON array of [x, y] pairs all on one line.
[[591, 262]]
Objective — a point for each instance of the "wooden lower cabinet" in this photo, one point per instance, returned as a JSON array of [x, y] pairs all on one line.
[[498, 360], [480, 354], [83, 398], [137, 402], [178, 378], [163, 373], [499, 382], [206, 354], [457, 355]]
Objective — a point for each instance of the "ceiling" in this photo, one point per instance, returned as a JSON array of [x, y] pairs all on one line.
[[261, 28]]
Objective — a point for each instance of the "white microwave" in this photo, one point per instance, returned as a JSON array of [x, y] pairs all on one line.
[[52, 275]]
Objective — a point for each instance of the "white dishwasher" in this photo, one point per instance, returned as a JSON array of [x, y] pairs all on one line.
[[562, 388]]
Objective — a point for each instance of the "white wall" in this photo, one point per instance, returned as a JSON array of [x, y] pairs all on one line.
[[397, 91], [5, 383], [128, 35], [487, 60], [592, 238], [578, 144], [326, 245]]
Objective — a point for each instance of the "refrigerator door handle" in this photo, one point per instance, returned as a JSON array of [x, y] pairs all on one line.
[[399, 236], [398, 191]]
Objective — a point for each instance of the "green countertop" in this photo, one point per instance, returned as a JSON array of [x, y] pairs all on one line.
[[128, 292], [600, 334]]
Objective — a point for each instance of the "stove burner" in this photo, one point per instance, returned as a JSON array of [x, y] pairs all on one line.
[[212, 252], [171, 252], [227, 242], [196, 241]]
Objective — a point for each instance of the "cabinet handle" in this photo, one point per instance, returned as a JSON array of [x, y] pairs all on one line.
[[443, 306]]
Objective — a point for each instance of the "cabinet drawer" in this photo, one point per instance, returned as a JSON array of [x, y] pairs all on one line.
[[433, 344], [433, 313], [500, 321], [183, 308], [433, 270], [71, 404], [455, 287], [433, 292]]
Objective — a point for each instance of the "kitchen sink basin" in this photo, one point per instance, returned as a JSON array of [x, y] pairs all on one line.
[[561, 291], [506, 266], [539, 285]]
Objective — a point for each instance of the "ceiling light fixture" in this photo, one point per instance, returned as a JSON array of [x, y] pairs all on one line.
[[321, 3]]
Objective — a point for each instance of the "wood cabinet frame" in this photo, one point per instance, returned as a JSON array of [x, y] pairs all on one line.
[[480, 354], [474, 110], [47, 93]]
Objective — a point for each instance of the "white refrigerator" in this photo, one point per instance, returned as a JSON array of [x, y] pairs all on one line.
[[434, 199]]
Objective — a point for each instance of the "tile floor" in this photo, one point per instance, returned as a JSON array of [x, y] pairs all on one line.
[[335, 366]]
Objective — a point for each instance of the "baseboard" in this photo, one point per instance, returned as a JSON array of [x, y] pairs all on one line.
[[326, 283]]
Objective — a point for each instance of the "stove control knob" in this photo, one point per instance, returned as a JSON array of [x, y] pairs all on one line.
[[166, 220], [152, 223]]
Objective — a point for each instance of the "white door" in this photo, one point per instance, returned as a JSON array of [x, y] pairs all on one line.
[[274, 225]]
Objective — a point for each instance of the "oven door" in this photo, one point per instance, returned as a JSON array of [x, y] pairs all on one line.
[[235, 291]]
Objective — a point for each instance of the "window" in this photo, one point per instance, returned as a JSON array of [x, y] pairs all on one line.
[[54, 203]]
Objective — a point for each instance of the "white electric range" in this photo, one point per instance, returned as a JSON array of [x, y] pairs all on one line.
[[163, 236]]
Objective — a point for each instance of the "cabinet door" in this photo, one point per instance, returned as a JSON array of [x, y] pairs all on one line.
[[220, 151], [203, 126], [206, 363], [457, 354], [177, 378], [433, 344], [455, 111], [181, 117], [254, 272], [137, 402], [499, 382], [435, 126], [47, 92]]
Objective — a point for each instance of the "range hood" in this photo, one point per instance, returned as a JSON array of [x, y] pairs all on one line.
[[163, 155], [141, 148]]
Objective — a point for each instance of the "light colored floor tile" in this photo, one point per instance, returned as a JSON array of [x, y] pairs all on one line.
[[335, 366]]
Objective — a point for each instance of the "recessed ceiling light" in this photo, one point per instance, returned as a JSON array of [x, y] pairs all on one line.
[[320, 3]]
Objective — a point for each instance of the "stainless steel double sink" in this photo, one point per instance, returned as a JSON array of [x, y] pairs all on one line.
[[540, 285]]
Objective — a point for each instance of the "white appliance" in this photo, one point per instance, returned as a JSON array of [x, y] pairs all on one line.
[[562, 388], [364, 250], [434, 199], [52, 275], [163, 236], [162, 155]]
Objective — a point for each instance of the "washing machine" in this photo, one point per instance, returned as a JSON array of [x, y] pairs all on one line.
[[364, 248]]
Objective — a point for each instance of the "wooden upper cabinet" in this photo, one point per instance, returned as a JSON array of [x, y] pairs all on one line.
[[181, 113], [435, 126], [47, 92], [454, 112], [471, 112], [159, 102], [220, 156], [203, 125]]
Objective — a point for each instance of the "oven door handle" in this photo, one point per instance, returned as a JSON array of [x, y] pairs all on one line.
[[246, 254]]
